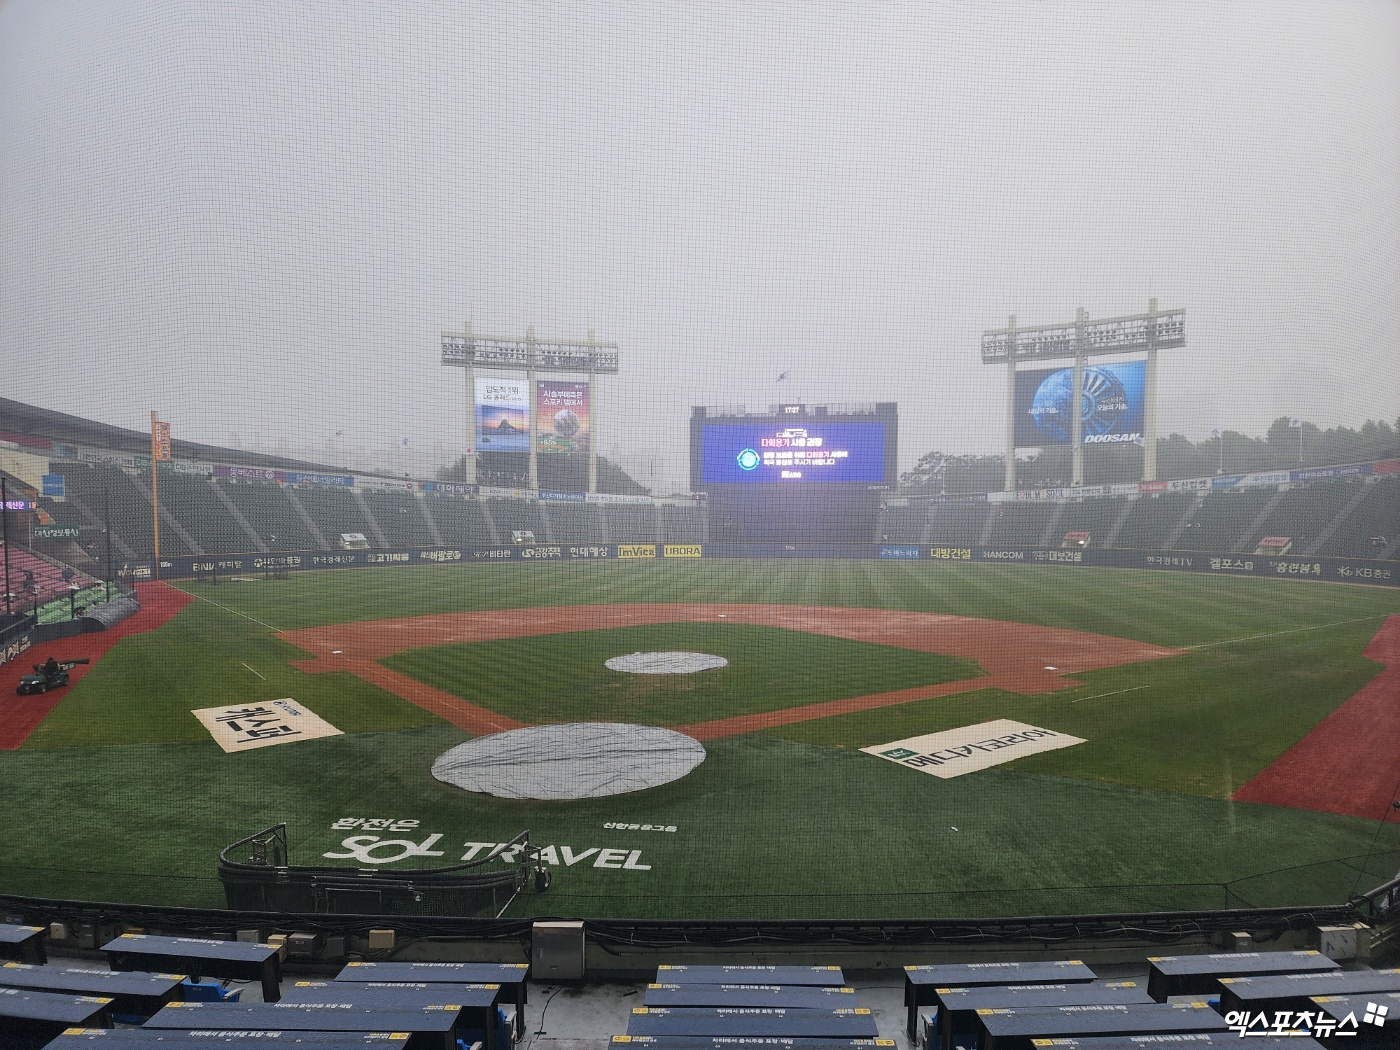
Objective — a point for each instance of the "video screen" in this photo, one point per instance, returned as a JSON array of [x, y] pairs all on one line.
[[787, 453]]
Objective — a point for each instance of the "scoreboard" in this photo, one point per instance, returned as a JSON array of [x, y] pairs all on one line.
[[794, 447]]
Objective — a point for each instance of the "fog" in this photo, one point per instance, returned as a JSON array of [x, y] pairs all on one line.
[[259, 218]]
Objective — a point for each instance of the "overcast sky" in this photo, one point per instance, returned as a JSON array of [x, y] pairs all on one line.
[[257, 218]]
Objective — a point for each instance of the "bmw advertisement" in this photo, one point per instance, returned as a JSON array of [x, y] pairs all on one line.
[[1111, 402], [778, 453]]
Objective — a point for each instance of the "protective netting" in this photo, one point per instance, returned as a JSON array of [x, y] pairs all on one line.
[[665, 663], [574, 760]]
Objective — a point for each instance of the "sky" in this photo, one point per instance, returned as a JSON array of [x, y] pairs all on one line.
[[258, 218]]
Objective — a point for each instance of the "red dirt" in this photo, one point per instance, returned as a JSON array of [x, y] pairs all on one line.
[[1350, 762], [1015, 656], [24, 713]]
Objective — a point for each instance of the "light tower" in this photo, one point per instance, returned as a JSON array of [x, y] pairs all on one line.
[[1139, 334], [530, 355]]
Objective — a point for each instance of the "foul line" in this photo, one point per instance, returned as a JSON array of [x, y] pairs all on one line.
[[1115, 692], [1291, 630], [225, 608], [263, 677]]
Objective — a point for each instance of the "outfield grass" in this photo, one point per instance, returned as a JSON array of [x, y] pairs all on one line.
[[793, 823]]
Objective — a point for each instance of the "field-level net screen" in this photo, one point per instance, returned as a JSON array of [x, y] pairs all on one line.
[[893, 739]]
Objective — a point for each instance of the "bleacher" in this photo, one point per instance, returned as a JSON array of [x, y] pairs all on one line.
[[195, 504], [903, 524], [461, 521], [272, 516], [575, 522], [1094, 516], [957, 524], [1376, 517], [49, 584], [400, 517], [1222, 519], [334, 510], [1152, 519], [1020, 524], [630, 522], [682, 523], [1304, 512], [130, 508], [517, 515]]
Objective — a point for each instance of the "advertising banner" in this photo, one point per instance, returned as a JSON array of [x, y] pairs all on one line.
[[1111, 402], [502, 414], [160, 441], [243, 727], [769, 452], [56, 532], [1354, 470], [955, 752], [251, 473], [561, 416], [448, 488], [54, 485], [293, 477]]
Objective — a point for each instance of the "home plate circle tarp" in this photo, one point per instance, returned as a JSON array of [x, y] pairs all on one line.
[[665, 663], [574, 760]]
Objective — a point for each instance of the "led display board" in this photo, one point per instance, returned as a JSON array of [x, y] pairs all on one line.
[[1112, 404]]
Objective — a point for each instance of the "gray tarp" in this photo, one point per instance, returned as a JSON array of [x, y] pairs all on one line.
[[574, 760], [665, 663]]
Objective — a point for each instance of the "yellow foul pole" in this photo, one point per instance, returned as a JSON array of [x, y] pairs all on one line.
[[155, 499]]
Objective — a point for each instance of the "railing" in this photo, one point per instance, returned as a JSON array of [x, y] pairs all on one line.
[[256, 876]]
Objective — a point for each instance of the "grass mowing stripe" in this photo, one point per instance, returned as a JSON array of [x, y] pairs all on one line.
[[777, 824]]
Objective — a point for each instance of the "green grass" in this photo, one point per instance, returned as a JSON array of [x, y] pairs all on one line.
[[1203, 722], [795, 823], [144, 689], [765, 827], [769, 669]]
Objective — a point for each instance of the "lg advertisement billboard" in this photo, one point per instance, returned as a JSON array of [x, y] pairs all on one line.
[[502, 414]]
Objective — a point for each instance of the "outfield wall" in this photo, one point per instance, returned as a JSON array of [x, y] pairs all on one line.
[[1333, 570]]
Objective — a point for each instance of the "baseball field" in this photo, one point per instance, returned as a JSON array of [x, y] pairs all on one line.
[[1218, 742]]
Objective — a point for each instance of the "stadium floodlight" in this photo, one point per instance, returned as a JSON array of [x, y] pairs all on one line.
[[1136, 334], [469, 351]]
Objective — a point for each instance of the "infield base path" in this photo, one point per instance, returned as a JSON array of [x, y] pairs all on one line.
[[1016, 657]]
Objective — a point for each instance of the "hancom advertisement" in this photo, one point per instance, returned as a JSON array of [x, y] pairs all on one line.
[[1112, 404], [765, 452], [502, 414], [561, 416]]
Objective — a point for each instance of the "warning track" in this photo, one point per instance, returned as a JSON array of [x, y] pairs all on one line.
[[1348, 763], [24, 713], [1014, 656]]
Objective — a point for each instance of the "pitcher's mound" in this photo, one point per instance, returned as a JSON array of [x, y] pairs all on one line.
[[665, 663], [575, 760]]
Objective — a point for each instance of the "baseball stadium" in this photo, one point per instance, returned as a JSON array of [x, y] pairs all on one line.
[[891, 485], [1126, 698]]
